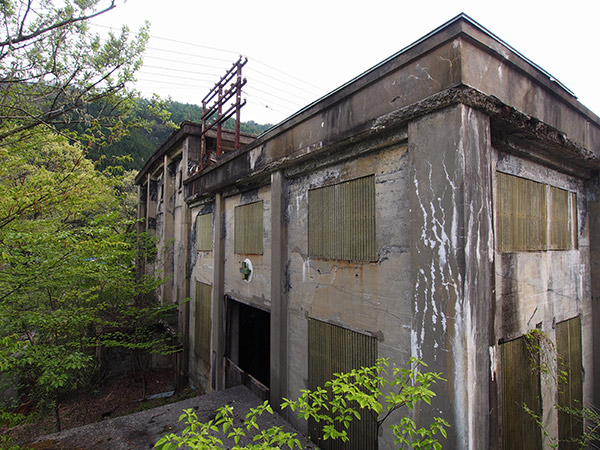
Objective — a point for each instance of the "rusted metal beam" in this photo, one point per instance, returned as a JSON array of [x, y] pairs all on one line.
[[214, 103]]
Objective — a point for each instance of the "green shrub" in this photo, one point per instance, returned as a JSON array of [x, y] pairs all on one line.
[[334, 406]]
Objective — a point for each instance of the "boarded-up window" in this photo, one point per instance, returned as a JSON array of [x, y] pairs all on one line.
[[563, 219], [570, 395], [533, 216], [341, 221], [521, 214], [248, 236], [202, 321], [204, 226], [520, 386], [334, 349]]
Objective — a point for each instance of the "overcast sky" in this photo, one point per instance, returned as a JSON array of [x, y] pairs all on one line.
[[299, 51]]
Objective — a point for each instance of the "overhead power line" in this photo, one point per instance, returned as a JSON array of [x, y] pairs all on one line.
[[206, 47], [272, 89]]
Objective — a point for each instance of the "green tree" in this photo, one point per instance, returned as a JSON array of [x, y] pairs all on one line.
[[347, 397], [67, 250], [67, 270], [153, 122], [52, 67]]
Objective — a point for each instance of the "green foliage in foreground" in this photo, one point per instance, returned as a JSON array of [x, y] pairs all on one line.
[[67, 270], [344, 398], [546, 360], [68, 286]]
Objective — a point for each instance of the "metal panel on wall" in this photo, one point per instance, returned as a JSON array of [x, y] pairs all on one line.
[[520, 386], [202, 327], [248, 229], [333, 349], [341, 221], [522, 214], [561, 220], [570, 386], [204, 234]]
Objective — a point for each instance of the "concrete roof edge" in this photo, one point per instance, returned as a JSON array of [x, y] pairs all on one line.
[[495, 108], [186, 128], [460, 25]]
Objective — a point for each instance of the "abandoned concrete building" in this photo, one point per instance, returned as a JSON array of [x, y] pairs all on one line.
[[441, 205]]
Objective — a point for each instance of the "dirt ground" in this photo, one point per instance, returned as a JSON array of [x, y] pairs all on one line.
[[141, 430], [118, 396]]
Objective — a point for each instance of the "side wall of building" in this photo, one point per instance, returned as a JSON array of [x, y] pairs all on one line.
[[405, 160]]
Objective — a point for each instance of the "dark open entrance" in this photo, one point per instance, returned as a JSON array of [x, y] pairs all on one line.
[[248, 347]]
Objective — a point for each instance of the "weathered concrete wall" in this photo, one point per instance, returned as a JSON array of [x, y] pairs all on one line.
[[457, 56], [593, 204], [537, 289], [439, 290], [180, 232], [201, 270], [496, 71], [451, 238], [257, 291], [279, 302], [372, 298]]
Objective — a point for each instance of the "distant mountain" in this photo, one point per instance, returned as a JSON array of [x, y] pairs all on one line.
[[143, 140]]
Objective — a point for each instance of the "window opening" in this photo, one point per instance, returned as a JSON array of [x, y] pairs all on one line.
[[534, 216], [333, 349], [204, 235], [248, 229], [570, 386], [202, 326], [341, 221], [520, 378]]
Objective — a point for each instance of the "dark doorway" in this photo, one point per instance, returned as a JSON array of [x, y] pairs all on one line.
[[249, 340]]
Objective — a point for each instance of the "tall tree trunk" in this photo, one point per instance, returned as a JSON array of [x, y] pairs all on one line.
[[57, 416]]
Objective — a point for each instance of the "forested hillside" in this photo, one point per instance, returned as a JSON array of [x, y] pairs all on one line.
[[142, 140]]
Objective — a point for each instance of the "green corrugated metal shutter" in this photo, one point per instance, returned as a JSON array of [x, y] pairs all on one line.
[[522, 214], [334, 349], [204, 227], [520, 385], [560, 224], [248, 232], [573, 222], [528, 221], [202, 321], [570, 390], [341, 221]]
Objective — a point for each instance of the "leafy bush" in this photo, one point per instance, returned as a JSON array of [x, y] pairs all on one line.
[[335, 406]]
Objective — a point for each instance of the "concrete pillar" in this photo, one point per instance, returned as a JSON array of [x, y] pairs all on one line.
[[218, 299], [150, 201], [185, 328], [191, 158], [452, 255], [168, 232], [593, 193], [278, 378]]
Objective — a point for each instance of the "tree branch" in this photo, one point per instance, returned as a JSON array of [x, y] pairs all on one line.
[[63, 23]]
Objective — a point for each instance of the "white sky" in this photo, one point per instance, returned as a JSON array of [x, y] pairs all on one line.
[[300, 51]]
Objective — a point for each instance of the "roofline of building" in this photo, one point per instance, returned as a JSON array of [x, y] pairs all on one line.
[[460, 26], [453, 28], [186, 128]]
